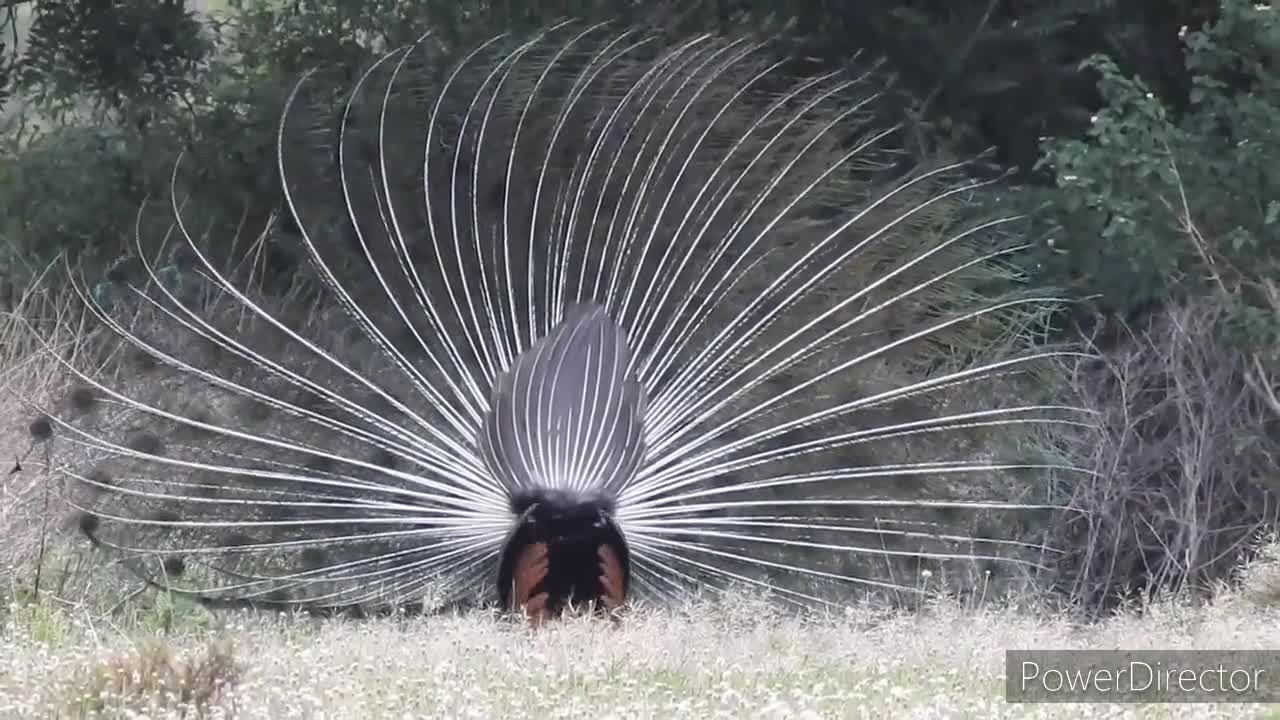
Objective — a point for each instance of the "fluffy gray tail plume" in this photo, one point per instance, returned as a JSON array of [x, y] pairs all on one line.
[[585, 317]]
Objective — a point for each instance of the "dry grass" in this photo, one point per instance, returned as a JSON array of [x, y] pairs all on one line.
[[151, 679], [704, 662], [1262, 582], [29, 375]]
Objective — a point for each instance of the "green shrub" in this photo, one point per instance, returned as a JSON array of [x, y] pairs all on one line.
[[128, 57], [1152, 206]]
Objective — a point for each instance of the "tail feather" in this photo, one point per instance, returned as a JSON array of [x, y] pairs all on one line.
[[705, 299], [568, 413]]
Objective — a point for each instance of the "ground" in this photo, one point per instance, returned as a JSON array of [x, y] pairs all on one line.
[[727, 661]]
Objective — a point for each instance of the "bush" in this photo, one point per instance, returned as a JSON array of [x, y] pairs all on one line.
[[1152, 207], [1184, 455], [129, 58], [1171, 224]]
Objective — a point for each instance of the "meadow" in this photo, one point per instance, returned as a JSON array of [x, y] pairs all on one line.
[[734, 658]]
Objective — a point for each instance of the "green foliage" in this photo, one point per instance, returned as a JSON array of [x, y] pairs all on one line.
[[125, 56], [52, 196], [993, 74], [291, 38], [999, 74], [6, 63], [113, 91], [1154, 205]]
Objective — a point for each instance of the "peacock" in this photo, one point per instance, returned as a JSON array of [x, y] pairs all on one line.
[[585, 318]]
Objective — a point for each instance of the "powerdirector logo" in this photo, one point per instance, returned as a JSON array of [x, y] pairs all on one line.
[[1142, 676]]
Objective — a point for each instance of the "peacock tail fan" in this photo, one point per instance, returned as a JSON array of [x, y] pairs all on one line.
[[586, 316]]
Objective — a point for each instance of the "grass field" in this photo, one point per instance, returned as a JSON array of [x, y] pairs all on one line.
[[732, 661]]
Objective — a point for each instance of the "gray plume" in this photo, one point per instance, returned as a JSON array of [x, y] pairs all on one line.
[[569, 412]]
